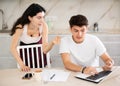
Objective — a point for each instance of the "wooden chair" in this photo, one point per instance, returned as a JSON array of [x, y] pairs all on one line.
[[32, 56]]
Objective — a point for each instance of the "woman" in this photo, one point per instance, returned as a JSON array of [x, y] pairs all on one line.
[[31, 28]]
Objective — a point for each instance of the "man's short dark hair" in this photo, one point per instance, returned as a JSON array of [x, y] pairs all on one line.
[[78, 20]]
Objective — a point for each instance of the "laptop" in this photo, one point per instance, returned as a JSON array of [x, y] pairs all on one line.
[[96, 78]]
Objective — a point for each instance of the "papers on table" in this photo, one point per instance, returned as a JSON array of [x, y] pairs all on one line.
[[55, 75]]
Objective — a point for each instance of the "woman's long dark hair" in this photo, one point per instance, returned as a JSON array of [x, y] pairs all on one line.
[[31, 11]]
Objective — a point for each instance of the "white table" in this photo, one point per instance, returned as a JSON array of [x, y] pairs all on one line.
[[12, 77]]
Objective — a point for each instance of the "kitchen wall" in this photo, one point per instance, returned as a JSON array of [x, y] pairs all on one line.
[[105, 12]]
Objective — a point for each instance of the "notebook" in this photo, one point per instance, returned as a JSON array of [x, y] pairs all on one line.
[[96, 78]]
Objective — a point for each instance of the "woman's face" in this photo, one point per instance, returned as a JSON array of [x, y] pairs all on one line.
[[37, 20], [78, 33]]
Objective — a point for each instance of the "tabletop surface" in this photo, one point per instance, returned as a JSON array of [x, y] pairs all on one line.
[[13, 77]]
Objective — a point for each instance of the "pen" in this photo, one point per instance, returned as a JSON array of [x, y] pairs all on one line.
[[52, 76]]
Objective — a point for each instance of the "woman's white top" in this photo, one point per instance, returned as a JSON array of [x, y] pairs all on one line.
[[28, 39], [86, 53]]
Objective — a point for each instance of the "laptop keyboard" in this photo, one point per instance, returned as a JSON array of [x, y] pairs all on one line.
[[99, 75]]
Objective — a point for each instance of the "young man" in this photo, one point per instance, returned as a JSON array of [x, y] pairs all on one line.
[[80, 52]]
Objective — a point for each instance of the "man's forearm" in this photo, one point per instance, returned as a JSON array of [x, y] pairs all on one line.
[[73, 67]]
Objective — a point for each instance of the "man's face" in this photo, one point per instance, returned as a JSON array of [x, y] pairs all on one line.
[[78, 33]]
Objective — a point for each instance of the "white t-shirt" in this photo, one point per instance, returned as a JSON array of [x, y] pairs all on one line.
[[28, 39], [86, 53]]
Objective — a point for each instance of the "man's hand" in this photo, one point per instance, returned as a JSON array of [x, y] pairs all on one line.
[[109, 65], [90, 70]]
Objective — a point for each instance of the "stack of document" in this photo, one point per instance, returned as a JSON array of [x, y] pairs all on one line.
[[55, 75]]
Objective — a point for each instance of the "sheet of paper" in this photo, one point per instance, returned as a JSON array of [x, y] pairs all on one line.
[[55, 75]]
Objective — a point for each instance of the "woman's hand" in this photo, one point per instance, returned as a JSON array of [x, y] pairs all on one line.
[[49, 46], [56, 40], [24, 68]]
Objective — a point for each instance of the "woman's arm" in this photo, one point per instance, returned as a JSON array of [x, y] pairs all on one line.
[[13, 48], [48, 46]]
